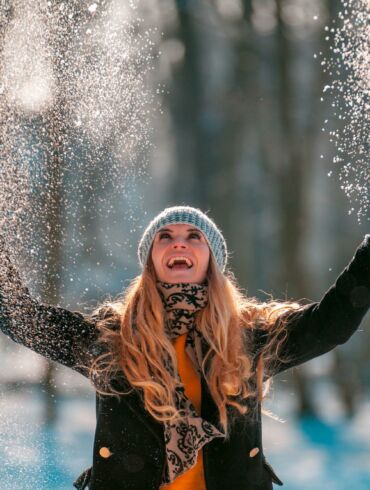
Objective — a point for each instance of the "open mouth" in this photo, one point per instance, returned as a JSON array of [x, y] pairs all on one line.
[[180, 262]]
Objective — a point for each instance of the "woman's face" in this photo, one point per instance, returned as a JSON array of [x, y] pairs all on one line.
[[180, 253]]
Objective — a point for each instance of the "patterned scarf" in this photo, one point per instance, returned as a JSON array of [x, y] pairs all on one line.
[[185, 437]]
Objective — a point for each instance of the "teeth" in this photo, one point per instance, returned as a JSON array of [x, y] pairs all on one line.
[[179, 260]]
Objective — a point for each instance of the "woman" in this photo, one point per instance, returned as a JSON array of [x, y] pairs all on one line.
[[179, 362]]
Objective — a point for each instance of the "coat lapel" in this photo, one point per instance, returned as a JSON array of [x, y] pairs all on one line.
[[135, 403], [209, 410]]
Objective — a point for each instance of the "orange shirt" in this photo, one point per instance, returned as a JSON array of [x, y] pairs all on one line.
[[193, 478]]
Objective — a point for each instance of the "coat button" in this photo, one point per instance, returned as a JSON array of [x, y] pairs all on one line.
[[105, 452], [253, 452]]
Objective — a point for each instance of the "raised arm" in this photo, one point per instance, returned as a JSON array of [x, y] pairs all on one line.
[[53, 332], [317, 328]]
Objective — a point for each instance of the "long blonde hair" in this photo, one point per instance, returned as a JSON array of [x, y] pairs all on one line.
[[138, 345]]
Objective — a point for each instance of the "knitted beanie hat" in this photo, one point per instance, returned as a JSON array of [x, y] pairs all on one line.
[[185, 215]]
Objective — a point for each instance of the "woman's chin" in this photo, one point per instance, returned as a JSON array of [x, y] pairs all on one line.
[[174, 276]]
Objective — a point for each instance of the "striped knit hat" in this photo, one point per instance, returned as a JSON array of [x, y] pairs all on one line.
[[190, 216]]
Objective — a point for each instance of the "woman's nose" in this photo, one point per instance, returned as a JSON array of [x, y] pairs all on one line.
[[179, 243]]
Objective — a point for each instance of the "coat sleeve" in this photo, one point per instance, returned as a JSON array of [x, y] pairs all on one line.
[[317, 328], [55, 333]]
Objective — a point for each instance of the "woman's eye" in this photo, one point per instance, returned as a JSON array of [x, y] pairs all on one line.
[[164, 235], [194, 235]]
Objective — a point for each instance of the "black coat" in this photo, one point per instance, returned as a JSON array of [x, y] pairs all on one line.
[[134, 439]]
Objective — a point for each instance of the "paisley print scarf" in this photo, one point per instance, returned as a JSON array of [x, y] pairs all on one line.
[[185, 437]]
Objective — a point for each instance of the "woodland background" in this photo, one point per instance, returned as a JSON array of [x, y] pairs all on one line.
[[234, 124]]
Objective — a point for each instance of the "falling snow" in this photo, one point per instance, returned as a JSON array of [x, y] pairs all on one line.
[[76, 109], [348, 67]]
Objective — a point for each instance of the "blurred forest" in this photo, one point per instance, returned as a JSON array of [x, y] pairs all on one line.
[[235, 127]]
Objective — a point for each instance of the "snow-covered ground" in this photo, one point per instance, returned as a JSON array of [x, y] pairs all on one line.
[[37, 457], [330, 452]]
